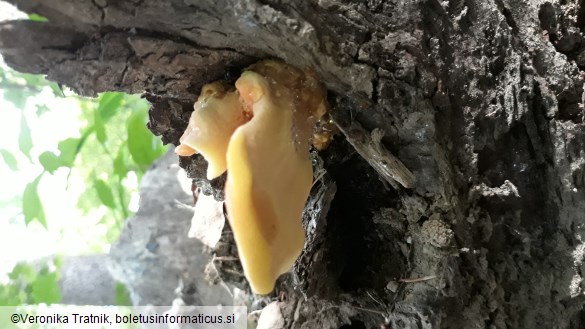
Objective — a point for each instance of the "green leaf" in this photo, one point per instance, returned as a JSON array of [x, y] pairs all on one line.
[[32, 207], [88, 200], [105, 193], [100, 128], [109, 104], [34, 80], [122, 295], [9, 159], [120, 167], [57, 91], [17, 96], [42, 109], [24, 138], [11, 295], [45, 288], [58, 261], [23, 271], [144, 147], [50, 161], [69, 149], [37, 18]]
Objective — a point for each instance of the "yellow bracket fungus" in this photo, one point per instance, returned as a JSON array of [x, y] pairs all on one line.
[[268, 163], [217, 114]]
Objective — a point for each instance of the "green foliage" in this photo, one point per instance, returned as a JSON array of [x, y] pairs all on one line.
[[45, 288], [100, 128], [49, 161], [15, 97], [36, 17], [113, 143], [32, 208], [105, 193], [111, 152], [120, 166], [69, 148], [143, 148], [9, 159], [122, 295], [32, 284], [24, 138], [108, 104], [19, 87]]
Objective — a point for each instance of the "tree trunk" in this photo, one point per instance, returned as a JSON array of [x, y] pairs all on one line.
[[479, 100]]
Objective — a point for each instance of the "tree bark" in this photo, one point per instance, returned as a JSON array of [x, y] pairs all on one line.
[[480, 100]]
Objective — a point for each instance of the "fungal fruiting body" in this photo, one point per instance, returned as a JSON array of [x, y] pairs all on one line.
[[217, 114], [269, 175], [269, 167]]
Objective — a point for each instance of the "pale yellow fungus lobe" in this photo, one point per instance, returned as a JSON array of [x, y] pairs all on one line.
[[218, 112], [269, 167]]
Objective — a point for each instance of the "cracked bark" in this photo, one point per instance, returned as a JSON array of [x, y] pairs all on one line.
[[480, 100]]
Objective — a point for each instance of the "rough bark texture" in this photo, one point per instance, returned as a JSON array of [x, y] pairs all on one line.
[[480, 99]]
